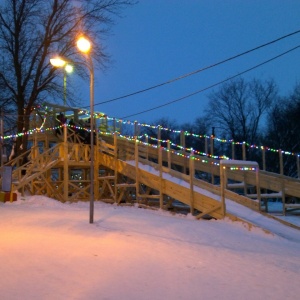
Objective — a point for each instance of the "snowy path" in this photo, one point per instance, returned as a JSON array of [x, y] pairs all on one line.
[[265, 222], [50, 251]]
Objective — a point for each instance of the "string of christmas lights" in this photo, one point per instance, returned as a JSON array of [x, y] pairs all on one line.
[[134, 123]]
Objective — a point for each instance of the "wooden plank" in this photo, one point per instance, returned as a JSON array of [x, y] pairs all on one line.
[[149, 196], [270, 195], [125, 185], [250, 203], [292, 205]]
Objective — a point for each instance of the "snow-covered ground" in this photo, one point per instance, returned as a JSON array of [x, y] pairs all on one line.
[[49, 250]]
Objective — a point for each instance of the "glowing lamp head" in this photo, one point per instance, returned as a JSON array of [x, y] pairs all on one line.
[[83, 44], [57, 62], [69, 68]]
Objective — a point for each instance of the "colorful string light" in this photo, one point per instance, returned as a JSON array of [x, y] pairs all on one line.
[[179, 147]]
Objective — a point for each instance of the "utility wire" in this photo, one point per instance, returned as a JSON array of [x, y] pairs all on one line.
[[199, 70], [213, 85]]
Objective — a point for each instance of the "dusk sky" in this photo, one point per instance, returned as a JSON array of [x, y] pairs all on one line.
[[159, 40]]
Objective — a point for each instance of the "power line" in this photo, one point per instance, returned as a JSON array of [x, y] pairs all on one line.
[[213, 85], [198, 71]]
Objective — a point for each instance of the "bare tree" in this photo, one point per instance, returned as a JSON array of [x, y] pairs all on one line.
[[238, 107], [283, 132], [200, 127], [31, 31], [166, 133]]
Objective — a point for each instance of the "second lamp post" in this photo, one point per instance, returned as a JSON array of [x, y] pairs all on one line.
[[84, 46]]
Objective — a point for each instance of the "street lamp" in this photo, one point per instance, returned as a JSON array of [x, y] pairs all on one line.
[[84, 46], [67, 69], [61, 63], [58, 62]]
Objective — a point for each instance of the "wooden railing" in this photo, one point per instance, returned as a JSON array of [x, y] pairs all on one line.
[[207, 173]]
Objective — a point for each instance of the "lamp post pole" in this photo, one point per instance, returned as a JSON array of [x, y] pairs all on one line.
[[65, 87], [84, 45], [67, 69], [91, 69]]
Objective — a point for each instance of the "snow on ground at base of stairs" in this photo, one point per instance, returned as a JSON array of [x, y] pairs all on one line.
[[49, 250]]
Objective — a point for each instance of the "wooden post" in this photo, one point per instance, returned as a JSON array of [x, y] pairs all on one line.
[[212, 146], [280, 161], [115, 166], [35, 139], [264, 158], [212, 154], [66, 165], [182, 144], [158, 139], [116, 145], [35, 143], [282, 182], [258, 187], [96, 161], [114, 124], [223, 183], [182, 139], [106, 124], [120, 130], [298, 166], [136, 157], [169, 155], [76, 116], [147, 143], [245, 183], [192, 175], [158, 136], [65, 133], [161, 196], [136, 129], [283, 197], [96, 133], [244, 150], [232, 150]]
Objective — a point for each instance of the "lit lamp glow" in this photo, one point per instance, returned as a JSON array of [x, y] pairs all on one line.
[[69, 68], [57, 62], [83, 44]]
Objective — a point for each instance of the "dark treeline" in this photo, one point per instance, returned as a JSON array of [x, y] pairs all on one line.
[[245, 111]]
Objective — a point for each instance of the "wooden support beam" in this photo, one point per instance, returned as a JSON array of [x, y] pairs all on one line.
[[66, 165], [161, 197], [192, 176], [280, 161], [209, 211]]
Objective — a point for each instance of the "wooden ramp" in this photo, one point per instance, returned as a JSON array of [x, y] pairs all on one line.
[[165, 188]]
